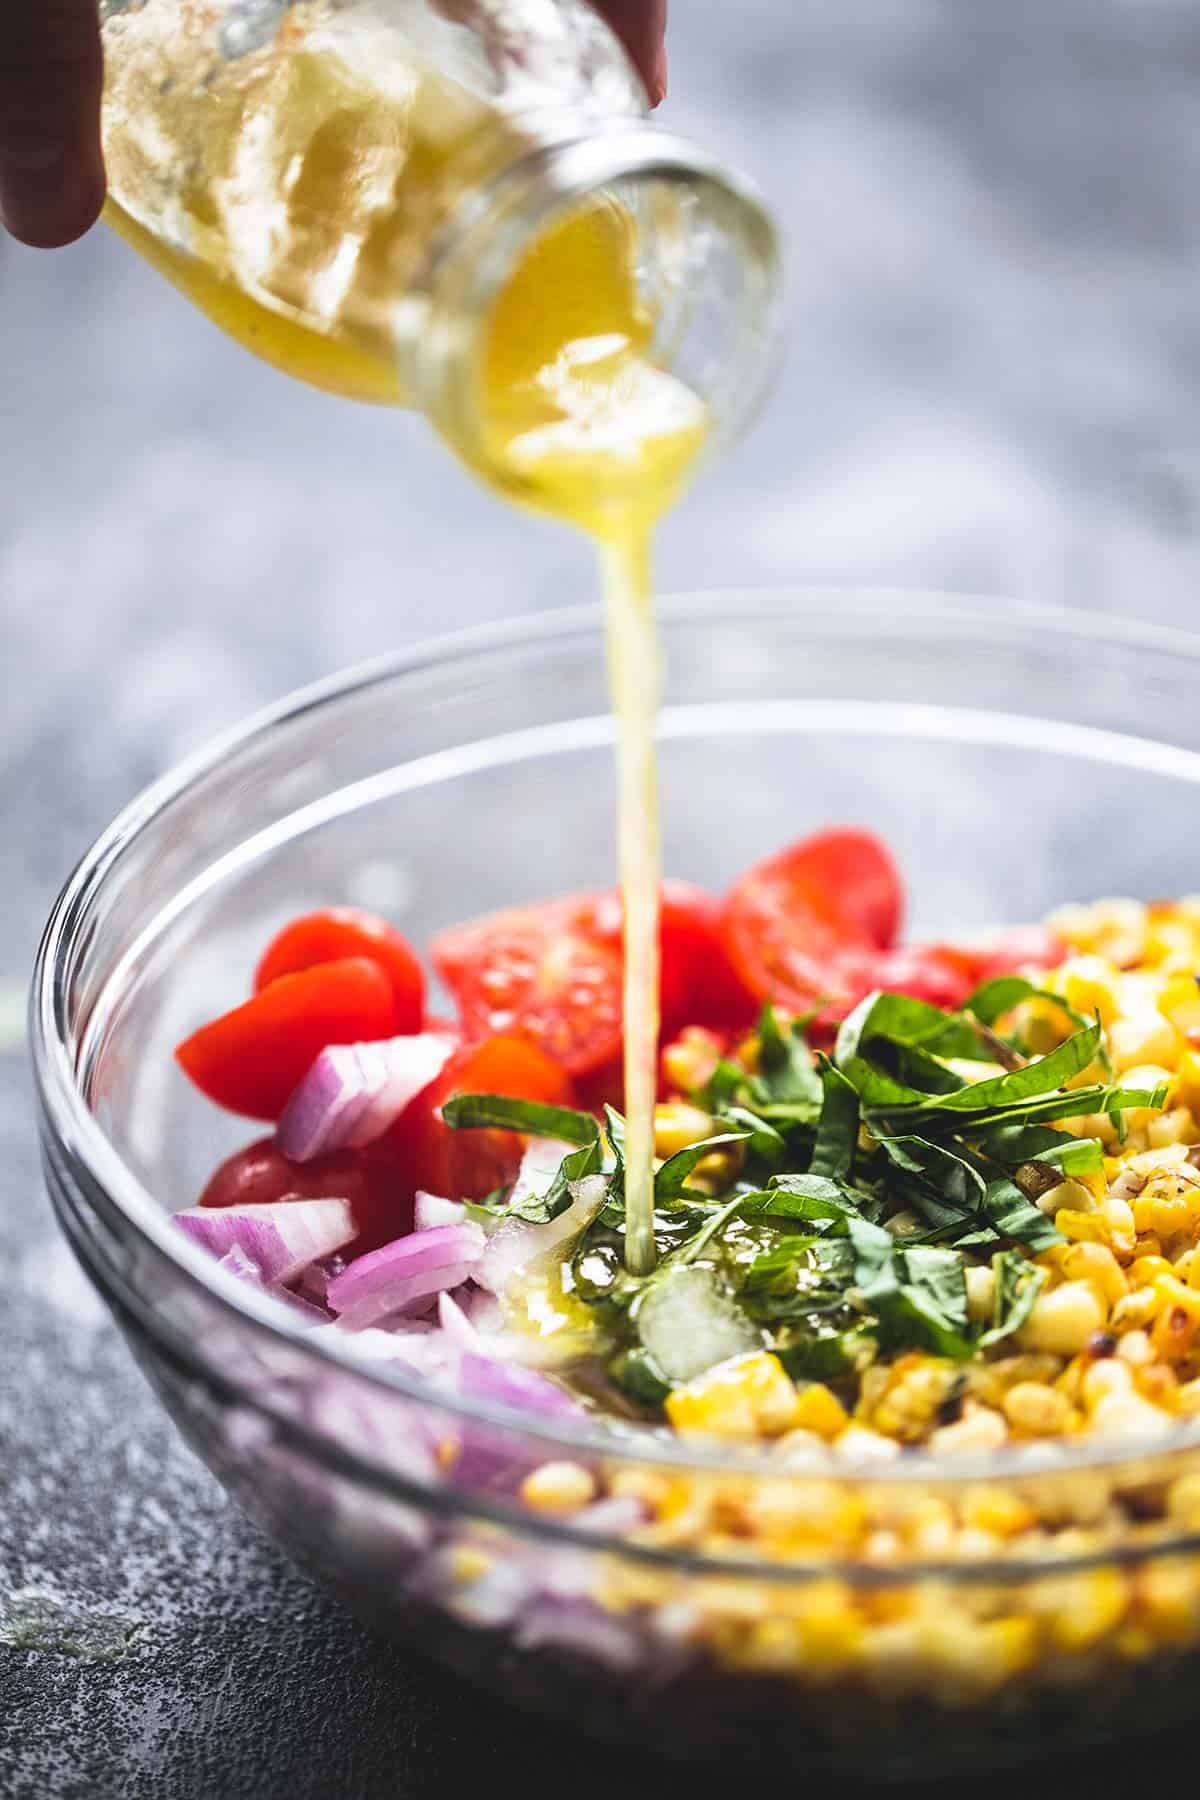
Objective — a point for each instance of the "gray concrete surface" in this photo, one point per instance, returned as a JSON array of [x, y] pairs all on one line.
[[992, 385]]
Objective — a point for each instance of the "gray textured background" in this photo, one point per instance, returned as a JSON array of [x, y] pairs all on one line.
[[992, 219]]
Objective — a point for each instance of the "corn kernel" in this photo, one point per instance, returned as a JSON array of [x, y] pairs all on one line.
[[868, 1446], [689, 1061], [1187, 1398], [998, 1511], [1063, 1320], [1104, 1378], [1088, 985], [749, 1396], [468, 1563], [1037, 1411], [981, 1291], [1128, 1415], [1178, 1319], [1185, 1089], [819, 1410], [1179, 1001], [979, 1429], [1183, 1501], [1143, 1038], [1096, 1264], [1084, 1608], [558, 1487]]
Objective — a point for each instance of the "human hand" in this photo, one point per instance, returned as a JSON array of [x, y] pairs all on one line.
[[51, 165]]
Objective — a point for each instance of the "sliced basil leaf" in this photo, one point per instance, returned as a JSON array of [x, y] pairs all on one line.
[[540, 1209], [837, 1128], [671, 1179], [1018, 1284], [764, 1142], [786, 1073], [473, 1112], [1015, 1216]]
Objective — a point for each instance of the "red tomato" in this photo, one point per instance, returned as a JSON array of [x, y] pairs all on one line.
[[790, 919], [1020, 947], [938, 973], [540, 972], [698, 984], [261, 1174], [427, 1154], [249, 1060], [341, 931]]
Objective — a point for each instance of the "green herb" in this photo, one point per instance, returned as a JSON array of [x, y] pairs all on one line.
[[786, 1075], [837, 1128], [918, 1294], [539, 1210], [473, 1112], [671, 1179], [765, 1143], [1018, 1284]]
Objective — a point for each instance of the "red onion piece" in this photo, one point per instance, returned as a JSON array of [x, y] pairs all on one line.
[[353, 1093], [431, 1209], [404, 1273], [517, 1243], [282, 1238]]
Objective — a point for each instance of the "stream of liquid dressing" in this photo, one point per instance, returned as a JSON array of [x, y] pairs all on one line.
[[588, 429], [309, 213]]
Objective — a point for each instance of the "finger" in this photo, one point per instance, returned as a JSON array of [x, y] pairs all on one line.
[[51, 168], [641, 26]]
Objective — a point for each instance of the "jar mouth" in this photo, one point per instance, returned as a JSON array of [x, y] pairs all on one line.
[[706, 264]]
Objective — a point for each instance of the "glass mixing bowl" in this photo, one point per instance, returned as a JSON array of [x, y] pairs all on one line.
[[1014, 758]]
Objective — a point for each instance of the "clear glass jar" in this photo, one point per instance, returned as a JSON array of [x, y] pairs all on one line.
[[347, 186]]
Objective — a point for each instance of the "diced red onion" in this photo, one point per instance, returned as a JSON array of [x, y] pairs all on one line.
[[405, 1273], [281, 1238], [431, 1209], [241, 1265], [517, 1243], [456, 1325], [314, 1283], [539, 1166], [578, 1627], [524, 1390], [354, 1092]]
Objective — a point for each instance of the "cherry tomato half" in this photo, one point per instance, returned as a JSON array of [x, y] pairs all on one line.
[[342, 931], [540, 972], [261, 1174], [789, 920], [698, 984], [426, 1153], [250, 1059]]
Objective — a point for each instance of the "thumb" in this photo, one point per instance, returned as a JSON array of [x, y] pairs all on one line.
[[51, 170]]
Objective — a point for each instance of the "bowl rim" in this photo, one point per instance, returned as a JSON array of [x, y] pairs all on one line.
[[76, 1134]]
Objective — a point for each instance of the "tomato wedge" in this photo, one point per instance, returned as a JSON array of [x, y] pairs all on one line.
[[790, 919], [261, 1174], [539, 972], [698, 984], [427, 1154], [250, 1059], [342, 931]]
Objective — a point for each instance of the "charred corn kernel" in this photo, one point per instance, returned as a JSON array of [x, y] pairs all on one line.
[[1063, 1320], [1103, 1378], [1037, 1411], [1179, 1002], [1118, 1215], [997, 1511], [980, 1428], [750, 1396], [689, 1061], [558, 1487], [1183, 1501], [1144, 1038], [1178, 1318], [468, 1563], [1185, 1088], [1096, 1263], [678, 1125], [1088, 985], [913, 1392], [1084, 1608], [981, 1291], [819, 1410]]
